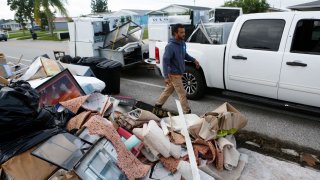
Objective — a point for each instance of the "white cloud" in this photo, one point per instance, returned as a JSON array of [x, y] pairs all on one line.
[[285, 3], [80, 7], [153, 5], [5, 12]]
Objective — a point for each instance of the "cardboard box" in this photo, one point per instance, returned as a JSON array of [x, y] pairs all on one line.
[[28, 167]]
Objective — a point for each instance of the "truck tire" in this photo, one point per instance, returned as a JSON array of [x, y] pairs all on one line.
[[193, 83]]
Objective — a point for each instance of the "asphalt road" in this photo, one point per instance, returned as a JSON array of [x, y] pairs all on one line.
[[145, 85], [29, 49]]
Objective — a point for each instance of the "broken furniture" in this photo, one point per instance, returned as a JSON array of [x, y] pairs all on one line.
[[124, 45], [211, 33]]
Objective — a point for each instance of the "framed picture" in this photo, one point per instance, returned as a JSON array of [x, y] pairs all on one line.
[[59, 88]]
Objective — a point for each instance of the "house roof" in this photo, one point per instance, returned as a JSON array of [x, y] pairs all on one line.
[[157, 12], [124, 12], [10, 22], [138, 11], [161, 11], [193, 7], [310, 6], [272, 9], [60, 19]]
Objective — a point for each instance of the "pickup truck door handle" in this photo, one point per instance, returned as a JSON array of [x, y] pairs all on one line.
[[295, 63], [239, 57]]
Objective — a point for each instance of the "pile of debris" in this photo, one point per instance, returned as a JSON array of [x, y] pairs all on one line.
[[45, 72], [58, 128]]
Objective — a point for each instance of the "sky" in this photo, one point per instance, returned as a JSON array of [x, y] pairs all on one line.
[[82, 7]]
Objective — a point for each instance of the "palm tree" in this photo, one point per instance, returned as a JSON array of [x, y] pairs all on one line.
[[49, 7]]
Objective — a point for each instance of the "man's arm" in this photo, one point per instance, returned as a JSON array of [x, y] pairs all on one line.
[[189, 58], [166, 61], [192, 59]]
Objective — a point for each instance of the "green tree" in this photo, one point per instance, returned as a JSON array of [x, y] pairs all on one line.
[[249, 6], [99, 6], [43, 20], [49, 8], [19, 18], [24, 9]]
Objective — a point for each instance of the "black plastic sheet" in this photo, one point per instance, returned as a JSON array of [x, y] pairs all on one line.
[[66, 59], [22, 144]]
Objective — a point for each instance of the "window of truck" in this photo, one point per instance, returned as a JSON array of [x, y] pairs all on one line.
[[306, 38], [261, 34]]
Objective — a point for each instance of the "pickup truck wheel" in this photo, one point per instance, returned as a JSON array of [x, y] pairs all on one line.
[[193, 83]]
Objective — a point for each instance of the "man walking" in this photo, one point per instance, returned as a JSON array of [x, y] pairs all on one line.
[[174, 66]]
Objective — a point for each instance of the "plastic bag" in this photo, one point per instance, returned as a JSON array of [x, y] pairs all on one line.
[[54, 118], [18, 110], [19, 114]]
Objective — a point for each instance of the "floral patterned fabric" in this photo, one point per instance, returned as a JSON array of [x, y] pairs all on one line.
[[127, 162], [74, 104], [77, 121]]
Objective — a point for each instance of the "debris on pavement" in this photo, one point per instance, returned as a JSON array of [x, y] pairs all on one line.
[[311, 160], [278, 149], [290, 152]]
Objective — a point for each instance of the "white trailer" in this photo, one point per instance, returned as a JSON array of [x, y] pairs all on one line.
[[92, 37]]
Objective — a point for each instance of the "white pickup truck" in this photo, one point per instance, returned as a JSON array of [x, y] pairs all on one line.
[[272, 55]]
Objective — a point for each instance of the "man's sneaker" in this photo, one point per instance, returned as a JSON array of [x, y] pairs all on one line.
[[189, 112]]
